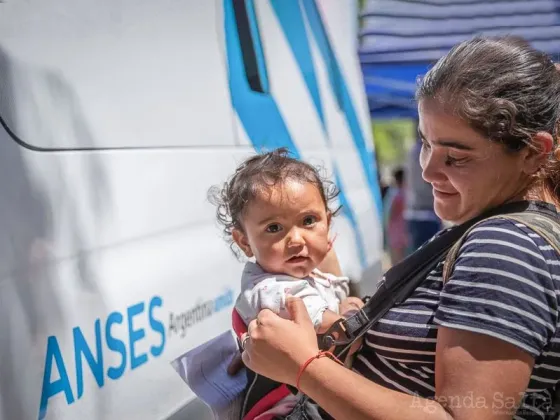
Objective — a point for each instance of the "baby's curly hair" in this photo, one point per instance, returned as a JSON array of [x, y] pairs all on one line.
[[260, 173]]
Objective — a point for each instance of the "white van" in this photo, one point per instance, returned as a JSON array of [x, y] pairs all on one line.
[[116, 116]]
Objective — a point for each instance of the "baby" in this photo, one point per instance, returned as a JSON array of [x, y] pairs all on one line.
[[275, 209]]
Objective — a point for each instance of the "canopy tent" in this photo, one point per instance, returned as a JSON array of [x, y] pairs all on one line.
[[401, 39]]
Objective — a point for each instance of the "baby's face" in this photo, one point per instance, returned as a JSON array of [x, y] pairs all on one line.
[[286, 229]]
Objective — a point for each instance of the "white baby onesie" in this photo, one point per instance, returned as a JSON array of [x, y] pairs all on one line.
[[261, 290]]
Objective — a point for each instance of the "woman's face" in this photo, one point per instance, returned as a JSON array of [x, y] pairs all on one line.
[[469, 173]]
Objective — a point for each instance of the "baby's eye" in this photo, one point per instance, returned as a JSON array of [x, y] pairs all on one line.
[[273, 228], [309, 220]]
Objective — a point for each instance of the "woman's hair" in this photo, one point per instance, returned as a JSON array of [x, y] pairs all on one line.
[[259, 174], [504, 89]]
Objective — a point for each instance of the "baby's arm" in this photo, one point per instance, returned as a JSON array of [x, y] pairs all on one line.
[[271, 294]]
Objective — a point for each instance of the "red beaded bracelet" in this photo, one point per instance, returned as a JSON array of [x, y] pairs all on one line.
[[311, 359]]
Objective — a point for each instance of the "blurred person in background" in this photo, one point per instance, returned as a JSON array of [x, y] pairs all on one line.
[[421, 219], [396, 233], [382, 184]]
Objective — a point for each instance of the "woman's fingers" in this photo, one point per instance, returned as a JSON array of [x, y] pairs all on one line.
[[251, 328], [246, 345], [244, 340], [298, 312], [265, 317], [246, 359]]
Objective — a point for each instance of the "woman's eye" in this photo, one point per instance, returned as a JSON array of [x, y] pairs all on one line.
[[273, 228], [425, 144], [309, 220], [451, 161]]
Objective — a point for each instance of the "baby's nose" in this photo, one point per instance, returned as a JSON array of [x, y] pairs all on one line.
[[296, 239]]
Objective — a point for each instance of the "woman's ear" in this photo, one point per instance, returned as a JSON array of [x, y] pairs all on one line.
[[242, 242], [536, 156]]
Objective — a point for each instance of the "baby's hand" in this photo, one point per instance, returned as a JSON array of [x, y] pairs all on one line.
[[350, 304]]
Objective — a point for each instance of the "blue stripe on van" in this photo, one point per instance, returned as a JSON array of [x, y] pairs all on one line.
[[258, 112], [290, 16], [341, 91]]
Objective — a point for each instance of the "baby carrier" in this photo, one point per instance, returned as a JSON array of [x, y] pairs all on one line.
[[396, 286]]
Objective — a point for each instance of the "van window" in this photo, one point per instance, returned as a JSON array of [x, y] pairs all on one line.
[[251, 46]]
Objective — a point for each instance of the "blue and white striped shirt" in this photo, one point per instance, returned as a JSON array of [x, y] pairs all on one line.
[[506, 284]]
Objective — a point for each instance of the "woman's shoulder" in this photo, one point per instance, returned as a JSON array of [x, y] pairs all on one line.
[[507, 245], [505, 284], [509, 255], [502, 221], [509, 235]]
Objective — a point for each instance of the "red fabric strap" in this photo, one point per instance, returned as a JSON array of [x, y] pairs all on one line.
[[238, 324], [267, 402]]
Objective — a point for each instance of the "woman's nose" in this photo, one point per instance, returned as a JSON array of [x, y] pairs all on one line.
[[431, 166]]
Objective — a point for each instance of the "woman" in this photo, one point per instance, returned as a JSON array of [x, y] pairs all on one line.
[[486, 344]]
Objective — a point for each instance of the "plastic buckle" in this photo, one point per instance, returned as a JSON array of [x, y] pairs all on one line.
[[344, 331], [336, 335]]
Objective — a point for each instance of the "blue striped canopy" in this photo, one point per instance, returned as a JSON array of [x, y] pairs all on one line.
[[401, 39]]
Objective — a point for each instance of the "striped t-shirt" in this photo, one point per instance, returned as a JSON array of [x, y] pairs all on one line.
[[506, 284]]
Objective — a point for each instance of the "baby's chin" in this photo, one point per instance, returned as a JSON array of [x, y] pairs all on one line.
[[298, 272]]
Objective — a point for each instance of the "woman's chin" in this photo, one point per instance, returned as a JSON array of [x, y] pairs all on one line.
[[446, 212]]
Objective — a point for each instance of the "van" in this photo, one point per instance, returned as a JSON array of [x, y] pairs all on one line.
[[116, 116]]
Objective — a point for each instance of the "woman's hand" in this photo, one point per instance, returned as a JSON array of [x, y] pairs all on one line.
[[277, 347]]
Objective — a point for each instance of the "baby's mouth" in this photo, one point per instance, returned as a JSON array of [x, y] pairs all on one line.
[[297, 259]]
